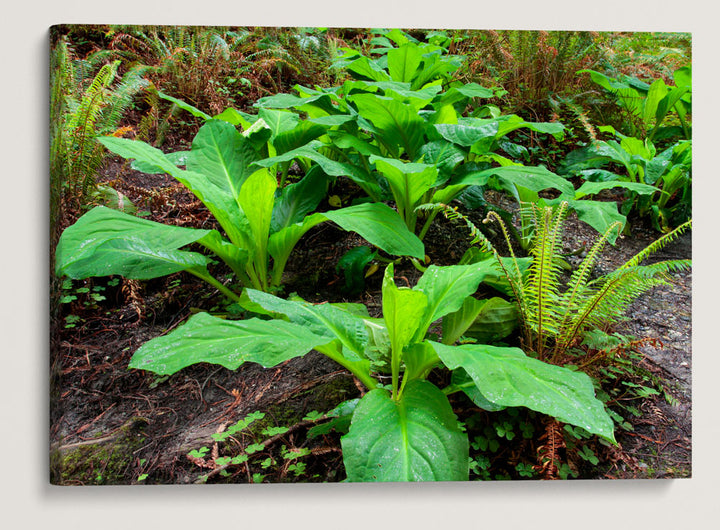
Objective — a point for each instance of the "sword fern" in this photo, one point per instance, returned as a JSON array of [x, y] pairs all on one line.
[[555, 316]]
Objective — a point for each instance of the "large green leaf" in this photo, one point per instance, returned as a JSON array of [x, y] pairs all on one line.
[[592, 188], [219, 201], [380, 225], [329, 166], [402, 312], [105, 241], [229, 343], [414, 439], [364, 68], [534, 178], [396, 124], [302, 134], [447, 287], [467, 135], [299, 199], [403, 62], [598, 214], [221, 153], [257, 197], [408, 182], [287, 101], [465, 92], [460, 380], [323, 320], [279, 121], [508, 377]]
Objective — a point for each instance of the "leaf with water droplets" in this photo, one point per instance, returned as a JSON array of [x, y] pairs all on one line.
[[507, 377], [229, 343], [416, 438]]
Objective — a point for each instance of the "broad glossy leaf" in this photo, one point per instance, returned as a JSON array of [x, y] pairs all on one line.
[[105, 241], [598, 214], [380, 225], [508, 377], [447, 287], [398, 124], [514, 122], [350, 141], [256, 198], [302, 134], [221, 153], [279, 121], [287, 101], [420, 359], [332, 120], [435, 66], [419, 99], [408, 181], [496, 320], [658, 90], [463, 93], [403, 309], [323, 320], [456, 323], [403, 62], [467, 135], [414, 439], [299, 199], [329, 166], [219, 201], [364, 68], [445, 155], [592, 188], [461, 380], [534, 178], [229, 343]]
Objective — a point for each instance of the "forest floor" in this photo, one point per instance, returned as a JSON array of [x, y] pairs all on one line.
[[113, 425]]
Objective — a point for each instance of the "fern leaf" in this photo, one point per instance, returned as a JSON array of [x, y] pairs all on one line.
[[577, 288], [541, 288], [657, 245]]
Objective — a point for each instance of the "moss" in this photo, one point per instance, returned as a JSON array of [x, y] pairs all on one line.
[[106, 462]]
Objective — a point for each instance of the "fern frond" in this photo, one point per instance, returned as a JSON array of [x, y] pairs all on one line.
[[122, 98], [577, 287], [611, 301], [451, 213], [541, 289], [513, 275], [657, 245]]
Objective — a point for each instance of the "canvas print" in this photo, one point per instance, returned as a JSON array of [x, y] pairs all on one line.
[[291, 255]]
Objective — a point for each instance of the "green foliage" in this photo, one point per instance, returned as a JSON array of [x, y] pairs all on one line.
[[83, 108], [353, 264], [554, 313], [398, 130], [259, 220], [247, 448], [669, 201], [533, 66], [650, 105], [393, 430]]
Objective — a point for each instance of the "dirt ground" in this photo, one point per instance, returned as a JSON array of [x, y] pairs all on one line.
[[112, 425]]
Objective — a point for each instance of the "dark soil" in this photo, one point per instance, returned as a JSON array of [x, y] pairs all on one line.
[[113, 425]]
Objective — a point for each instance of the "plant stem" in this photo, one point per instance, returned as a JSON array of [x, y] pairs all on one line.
[[215, 283], [332, 351], [427, 224]]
